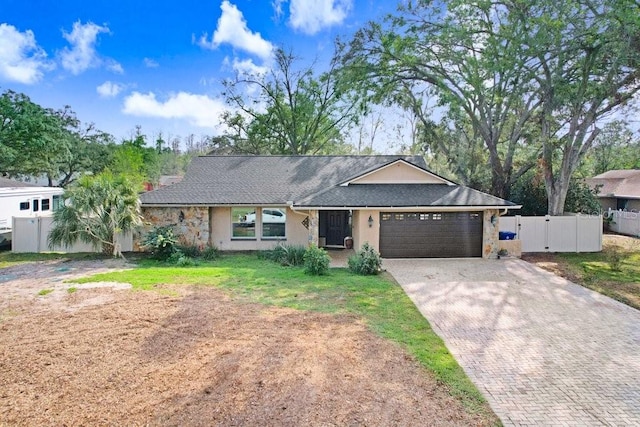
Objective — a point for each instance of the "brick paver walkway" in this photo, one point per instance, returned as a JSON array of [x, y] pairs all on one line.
[[542, 350]]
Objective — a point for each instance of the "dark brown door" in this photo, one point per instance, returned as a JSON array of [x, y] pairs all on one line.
[[431, 234], [335, 228]]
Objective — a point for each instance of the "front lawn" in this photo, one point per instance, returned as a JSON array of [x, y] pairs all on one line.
[[378, 300]]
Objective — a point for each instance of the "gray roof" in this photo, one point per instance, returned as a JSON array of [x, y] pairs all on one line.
[[306, 181], [403, 195], [9, 183]]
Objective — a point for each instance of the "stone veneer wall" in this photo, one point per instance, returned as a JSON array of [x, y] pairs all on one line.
[[490, 236], [192, 230]]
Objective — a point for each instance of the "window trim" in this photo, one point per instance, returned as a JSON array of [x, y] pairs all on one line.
[[42, 205], [25, 206]]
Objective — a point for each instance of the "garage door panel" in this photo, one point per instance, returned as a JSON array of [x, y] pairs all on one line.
[[430, 235]]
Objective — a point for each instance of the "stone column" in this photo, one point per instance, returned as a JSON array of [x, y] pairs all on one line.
[[314, 223], [490, 228]]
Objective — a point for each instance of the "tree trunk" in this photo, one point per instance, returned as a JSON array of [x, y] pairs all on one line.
[[556, 196]]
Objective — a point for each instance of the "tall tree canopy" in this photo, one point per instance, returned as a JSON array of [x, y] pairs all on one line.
[[532, 79], [41, 142], [288, 110]]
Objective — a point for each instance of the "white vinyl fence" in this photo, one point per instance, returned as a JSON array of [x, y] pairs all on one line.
[[31, 234], [570, 233], [624, 222]]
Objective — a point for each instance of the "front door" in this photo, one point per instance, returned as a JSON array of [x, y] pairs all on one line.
[[335, 227]]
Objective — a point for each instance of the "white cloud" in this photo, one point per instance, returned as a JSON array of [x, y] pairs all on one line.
[[248, 67], [21, 59], [198, 110], [232, 29], [277, 8], [150, 63], [311, 16], [109, 89], [82, 54]]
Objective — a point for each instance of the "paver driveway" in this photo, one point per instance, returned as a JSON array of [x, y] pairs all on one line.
[[542, 350]]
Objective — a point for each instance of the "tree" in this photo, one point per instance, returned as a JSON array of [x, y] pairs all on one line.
[[530, 192], [88, 149], [585, 61], [465, 57], [294, 113], [534, 79], [132, 157], [613, 148], [31, 137], [94, 210]]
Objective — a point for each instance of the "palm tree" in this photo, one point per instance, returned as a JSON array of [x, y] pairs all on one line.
[[94, 210]]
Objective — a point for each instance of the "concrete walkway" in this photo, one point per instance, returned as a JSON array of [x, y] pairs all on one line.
[[541, 349]]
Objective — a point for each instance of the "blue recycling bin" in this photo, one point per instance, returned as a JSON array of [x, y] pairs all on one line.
[[506, 235]]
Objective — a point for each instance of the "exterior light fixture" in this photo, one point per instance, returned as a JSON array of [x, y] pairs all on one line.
[[370, 221], [181, 216], [494, 219]]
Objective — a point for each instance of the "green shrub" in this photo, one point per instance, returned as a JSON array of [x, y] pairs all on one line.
[[366, 261], [316, 261], [210, 253], [287, 255], [614, 258], [181, 260], [161, 242], [191, 251]]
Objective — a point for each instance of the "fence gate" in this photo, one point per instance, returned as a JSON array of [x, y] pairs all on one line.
[[570, 233]]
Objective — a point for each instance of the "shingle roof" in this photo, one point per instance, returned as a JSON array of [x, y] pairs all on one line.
[[9, 183], [403, 195], [617, 183], [306, 181]]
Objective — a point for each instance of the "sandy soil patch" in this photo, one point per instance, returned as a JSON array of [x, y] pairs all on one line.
[[192, 356]]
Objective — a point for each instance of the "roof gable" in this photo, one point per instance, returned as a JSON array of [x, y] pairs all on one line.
[[398, 172]]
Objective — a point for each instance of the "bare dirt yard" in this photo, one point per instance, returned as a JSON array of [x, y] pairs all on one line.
[[189, 356]]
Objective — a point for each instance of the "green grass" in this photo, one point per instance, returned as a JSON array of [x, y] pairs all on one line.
[[72, 290], [596, 271], [44, 292], [378, 300]]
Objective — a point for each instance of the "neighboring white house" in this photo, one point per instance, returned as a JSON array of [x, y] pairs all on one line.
[[20, 199]]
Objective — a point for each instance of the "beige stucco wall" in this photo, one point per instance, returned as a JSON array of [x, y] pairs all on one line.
[[296, 232], [399, 173], [607, 202], [203, 226], [192, 230], [362, 233]]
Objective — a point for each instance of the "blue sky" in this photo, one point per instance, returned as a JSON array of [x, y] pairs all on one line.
[[159, 64]]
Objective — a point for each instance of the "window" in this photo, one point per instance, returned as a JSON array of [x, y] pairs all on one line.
[[436, 216], [243, 223], [399, 217], [274, 222], [386, 217], [45, 204], [36, 205], [424, 217], [24, 206], [412, 217], [56, 203]]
